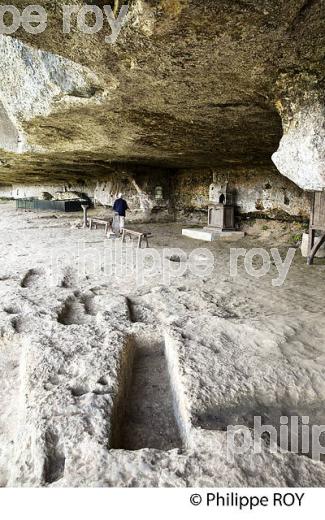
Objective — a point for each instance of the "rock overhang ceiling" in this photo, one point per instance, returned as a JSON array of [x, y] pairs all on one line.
[[187, 84]]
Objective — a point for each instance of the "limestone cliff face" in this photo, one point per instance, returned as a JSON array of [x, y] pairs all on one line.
[[259, 192], [36, 83], [188, 84], [301, 154], [160, 194]]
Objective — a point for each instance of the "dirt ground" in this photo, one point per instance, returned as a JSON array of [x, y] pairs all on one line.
[[93, 351]]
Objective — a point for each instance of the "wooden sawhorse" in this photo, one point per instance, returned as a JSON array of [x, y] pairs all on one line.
[[141, 236], [94, 222]]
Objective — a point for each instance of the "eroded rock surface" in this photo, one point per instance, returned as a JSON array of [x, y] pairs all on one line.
[[301, 155], [185, 85]]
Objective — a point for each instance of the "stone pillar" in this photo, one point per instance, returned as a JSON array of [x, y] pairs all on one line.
[[85, 208]]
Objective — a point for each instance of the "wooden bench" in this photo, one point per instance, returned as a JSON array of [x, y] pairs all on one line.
[[140, 235], [95, 222]]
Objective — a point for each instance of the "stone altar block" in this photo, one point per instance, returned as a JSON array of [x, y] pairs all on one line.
[[221, 217]]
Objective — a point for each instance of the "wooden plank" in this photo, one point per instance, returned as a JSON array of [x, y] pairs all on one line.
[[318, 220]]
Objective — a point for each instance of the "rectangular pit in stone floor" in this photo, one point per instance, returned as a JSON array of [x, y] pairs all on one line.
[[149, 420]]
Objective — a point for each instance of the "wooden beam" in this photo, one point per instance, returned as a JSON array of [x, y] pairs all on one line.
[[312, 252]]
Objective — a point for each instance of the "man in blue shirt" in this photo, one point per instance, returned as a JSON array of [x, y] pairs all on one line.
[[120, 207]]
